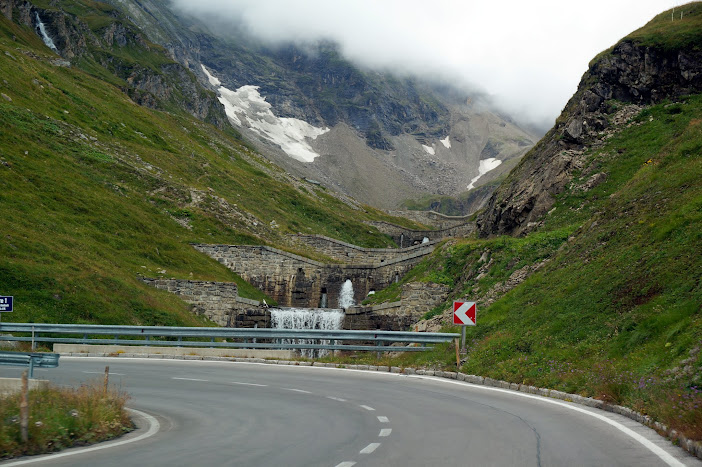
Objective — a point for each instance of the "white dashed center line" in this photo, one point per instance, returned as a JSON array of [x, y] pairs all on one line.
[[346, 464], [250, 384], [338, 399], [382, 419], [370, 448], [191, 379], [297, 390], [368, 408], [385, 432]]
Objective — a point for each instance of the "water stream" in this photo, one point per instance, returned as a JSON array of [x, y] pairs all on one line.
[[307, 318], [45, 37], [346, 295]]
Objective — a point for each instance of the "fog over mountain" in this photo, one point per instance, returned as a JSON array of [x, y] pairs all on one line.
[[526, 57]]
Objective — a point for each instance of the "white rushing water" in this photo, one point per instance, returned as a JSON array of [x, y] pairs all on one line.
[[44, 36], [346, 295], [307, 318]]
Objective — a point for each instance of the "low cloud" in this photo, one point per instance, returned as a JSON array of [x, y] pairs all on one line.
[[528, 57]]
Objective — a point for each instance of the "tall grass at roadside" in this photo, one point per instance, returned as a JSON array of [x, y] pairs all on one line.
[[63, 417]]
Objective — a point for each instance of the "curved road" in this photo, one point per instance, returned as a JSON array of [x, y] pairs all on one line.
[[221, 413]]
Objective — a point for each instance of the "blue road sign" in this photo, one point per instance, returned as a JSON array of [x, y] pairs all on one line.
[[5, 304]]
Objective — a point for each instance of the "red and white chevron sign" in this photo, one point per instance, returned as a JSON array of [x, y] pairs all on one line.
[[464, 313]]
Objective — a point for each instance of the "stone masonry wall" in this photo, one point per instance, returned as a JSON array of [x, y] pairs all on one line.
[[407, 237], [417, 298], [355, 255], [432, 218], [296, 281], [218, 301]]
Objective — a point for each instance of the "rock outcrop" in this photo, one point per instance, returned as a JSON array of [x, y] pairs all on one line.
[[610, 94], [150, 78]]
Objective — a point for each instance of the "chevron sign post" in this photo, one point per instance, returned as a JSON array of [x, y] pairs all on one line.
[[464, 315]]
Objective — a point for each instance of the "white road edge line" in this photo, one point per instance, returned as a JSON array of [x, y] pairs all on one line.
[[661, 453], [249, 384], [665, 456], [154, 427], [370, 448], [382, 419], [297, 390], [368, 408], [191, 379], [385, 432]]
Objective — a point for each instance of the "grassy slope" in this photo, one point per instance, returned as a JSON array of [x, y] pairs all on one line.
[[91, 186], [614, 312]]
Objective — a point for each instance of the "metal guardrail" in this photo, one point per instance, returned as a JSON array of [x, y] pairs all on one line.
[[249, 338], [32, 360]]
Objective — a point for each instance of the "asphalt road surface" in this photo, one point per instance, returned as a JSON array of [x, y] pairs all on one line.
[[220, 413]]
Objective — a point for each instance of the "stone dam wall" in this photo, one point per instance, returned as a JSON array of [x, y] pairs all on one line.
[[219, 302], [297, 281]]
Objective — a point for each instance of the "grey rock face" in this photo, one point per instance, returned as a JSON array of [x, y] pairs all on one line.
[[634, 74]]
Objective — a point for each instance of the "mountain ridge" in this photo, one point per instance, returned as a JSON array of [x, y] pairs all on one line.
[[316, 84], [641, 69]]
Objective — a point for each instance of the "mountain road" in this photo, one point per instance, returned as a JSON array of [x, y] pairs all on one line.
[[245, 414]]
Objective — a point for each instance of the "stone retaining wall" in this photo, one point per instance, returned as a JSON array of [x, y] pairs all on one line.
[[297, 281], [218, 301], [416, 299], [432, 218], [354, 255], [408, 237]]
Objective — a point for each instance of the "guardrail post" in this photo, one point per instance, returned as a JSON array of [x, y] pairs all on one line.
[[180, 340], [34, 345], [31, 367]]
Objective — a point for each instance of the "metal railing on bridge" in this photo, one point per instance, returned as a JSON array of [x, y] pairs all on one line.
[[249, 338]]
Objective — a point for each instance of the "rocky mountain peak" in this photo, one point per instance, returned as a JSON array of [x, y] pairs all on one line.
[[660, 61]]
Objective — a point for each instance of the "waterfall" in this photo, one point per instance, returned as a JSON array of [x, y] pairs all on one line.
[[346, 295], [307, 318], [45, 37]]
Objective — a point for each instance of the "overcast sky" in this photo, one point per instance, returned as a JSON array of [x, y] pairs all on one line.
[[528, 55]]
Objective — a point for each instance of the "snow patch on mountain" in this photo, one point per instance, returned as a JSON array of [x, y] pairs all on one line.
[[486, 165], [213, 80], [246, 107], [446, 142], [429, 150]]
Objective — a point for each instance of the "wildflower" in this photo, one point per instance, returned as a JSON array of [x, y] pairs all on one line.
[[39, 424], [73, 413]]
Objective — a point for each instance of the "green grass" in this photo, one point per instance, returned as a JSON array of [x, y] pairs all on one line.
[[63, 417], [671, 32], [93, 187], [668, 32], [614, 311]]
